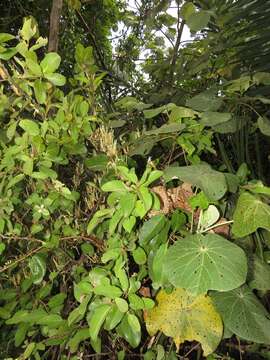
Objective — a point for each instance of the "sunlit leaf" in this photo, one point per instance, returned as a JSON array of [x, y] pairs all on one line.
[[184, 317], [250, 214], [200, 263]]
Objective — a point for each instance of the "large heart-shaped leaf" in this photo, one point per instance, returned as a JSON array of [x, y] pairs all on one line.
[[201, 263], [186, 318], [260, 275], [250, 214], [212, 182], [212, 118], [243, 314]]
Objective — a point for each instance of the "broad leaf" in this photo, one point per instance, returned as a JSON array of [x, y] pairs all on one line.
[[154, 112], [186, 318], [130, 333], [243, 314], [40, 91], [205, 101], [114, 185], [56, 79], [30, 127], [50, 63], [151, 228], [260, 275], [198, 20], [264, 125], [37, 266], [201, 263], [213, 183], [96, 318], [80, 335], [250, 214], [209, 217], [166, 129], [212, 118]]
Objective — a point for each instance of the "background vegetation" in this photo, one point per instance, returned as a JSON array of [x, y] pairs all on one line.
[[135, 216]]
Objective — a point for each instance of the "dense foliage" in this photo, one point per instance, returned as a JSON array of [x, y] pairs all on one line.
[[135, 214]]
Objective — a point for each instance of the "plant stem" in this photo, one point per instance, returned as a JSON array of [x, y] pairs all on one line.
[[224, 155]]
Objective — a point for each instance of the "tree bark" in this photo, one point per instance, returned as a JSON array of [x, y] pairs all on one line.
[[54, 25]]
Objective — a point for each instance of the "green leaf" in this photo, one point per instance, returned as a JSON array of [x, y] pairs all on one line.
[[113, 318], [129, 223], [111, 254], [134, 322], [37, 266], [127, 203], [50, 63], [4, 37], [51, 320], [229, 126], [114, 185], [199, 200], [97, 162], [136, 303], [121, 304], [128, 174], [129, 333], [139, 210], [155, 266], [258, 188], [201, 263], [180, 112], [250, 214], [34, 67], [30, 127], [96, 319], [8, 53], [139, 256], [153, 176], [21, 333], [2, 248], [40, 91], [239, 85], [29, 28], [146, 197], [205, 101], [149, 114], [198, 20], [56, 79], [28, 351], [114, 221], [209, 217], [264, 125], [80, 335], [166, 129], [186, 318], [178, 220], [98, 217], [262, 78], [260, 275], [212, 182], [151, 228], [28, 166], [108, 290], [211, 118], [244, 314]]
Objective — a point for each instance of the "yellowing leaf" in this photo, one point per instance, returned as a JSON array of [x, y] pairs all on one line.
[[185, 317]]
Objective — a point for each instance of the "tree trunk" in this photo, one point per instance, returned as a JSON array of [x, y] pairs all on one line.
[[54, 25]]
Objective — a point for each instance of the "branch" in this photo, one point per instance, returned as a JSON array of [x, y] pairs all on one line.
[[54, 25], [180, 28]]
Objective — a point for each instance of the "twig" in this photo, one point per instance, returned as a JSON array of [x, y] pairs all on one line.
[[20, 259]]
